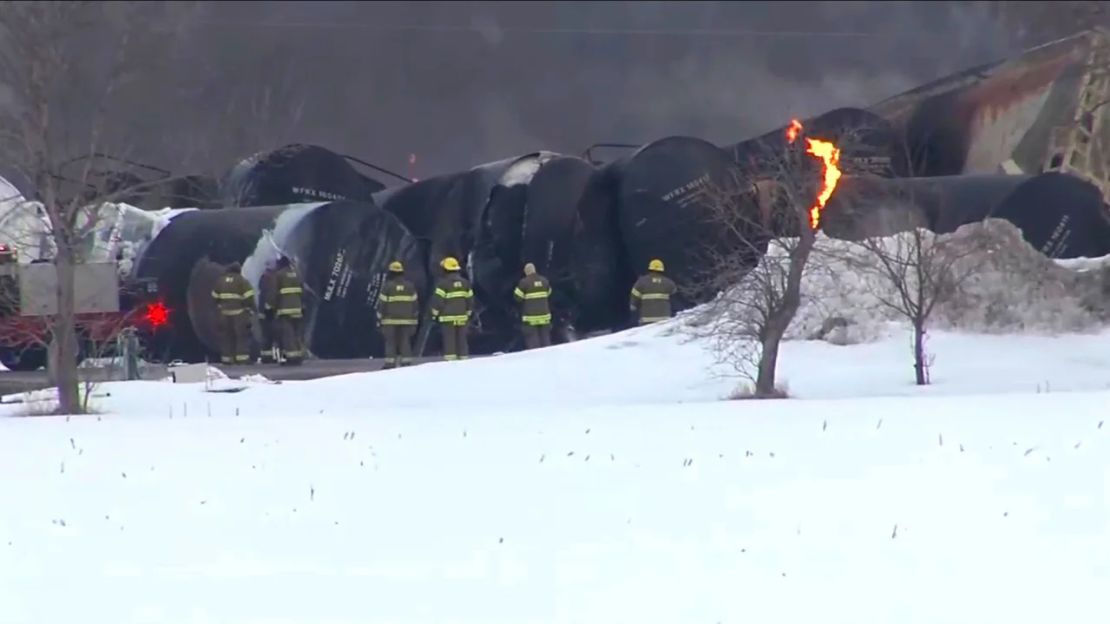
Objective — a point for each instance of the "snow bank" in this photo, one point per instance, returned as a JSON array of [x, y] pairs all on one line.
[[655, 366], [915, 511], [597, 481], [1014, 289]]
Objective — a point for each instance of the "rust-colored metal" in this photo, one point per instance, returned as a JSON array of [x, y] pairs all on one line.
[[996, 118]]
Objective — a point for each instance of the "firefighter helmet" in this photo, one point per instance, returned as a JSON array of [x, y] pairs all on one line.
[[450, 264], [396, 267], [655, 265]]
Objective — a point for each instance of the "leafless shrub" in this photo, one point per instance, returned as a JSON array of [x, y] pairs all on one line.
[[913, 272]]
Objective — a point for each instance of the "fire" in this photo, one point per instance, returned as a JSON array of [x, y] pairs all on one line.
[[829, 154], [793, 130]]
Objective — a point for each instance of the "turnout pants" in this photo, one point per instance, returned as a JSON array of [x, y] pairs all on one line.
[[267, 324], [398, 342], [455, 345], [234, 340], [289, 338], [537, 336]]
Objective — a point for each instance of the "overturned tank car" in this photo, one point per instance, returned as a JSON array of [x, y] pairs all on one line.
[[297, 173], [869, 144], [664, 200], [493, 218], [341, 249], [1060, 215], [530, 216], [1039, 111]]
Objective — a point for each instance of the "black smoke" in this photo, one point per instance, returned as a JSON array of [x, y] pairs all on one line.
[[460, 83]]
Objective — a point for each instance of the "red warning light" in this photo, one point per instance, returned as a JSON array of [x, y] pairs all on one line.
[[157, 314]]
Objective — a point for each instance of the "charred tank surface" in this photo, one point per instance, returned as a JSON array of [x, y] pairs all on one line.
[[295, 173], [598, 266], [446, 210], [869, 144], [669, 203], [1060, 215], [446, 213], [341, 249], [550, 220], [530, 217], [1008, 116]]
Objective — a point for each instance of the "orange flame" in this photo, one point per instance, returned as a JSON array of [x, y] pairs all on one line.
[[793, 130], [830, 158]]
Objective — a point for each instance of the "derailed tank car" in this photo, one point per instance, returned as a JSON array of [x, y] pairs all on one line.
[[530, 217], [341, 249], [869, 144], [484, 217], [1060, 215], [292, 174], [1039, 111], [672, 196]]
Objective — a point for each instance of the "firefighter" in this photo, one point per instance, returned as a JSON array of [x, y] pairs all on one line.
[[452, 306], [651, 295], [532, 293], [266, 321], [398, 311], [289, 313], [232, 295]]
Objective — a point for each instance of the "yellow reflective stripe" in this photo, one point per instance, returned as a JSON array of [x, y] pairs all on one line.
[[291, 290], [399, 322], [218, 295], [651, 319], [390, 298], [441, 292], [231, 312], [456, 294], [656, 296], [536, 295], [519, 293], [249, 293], [435, 312], [536, 319], [383, 297], [282, 311], [450, 357], [293, 353], [453, 318], [635, 293]]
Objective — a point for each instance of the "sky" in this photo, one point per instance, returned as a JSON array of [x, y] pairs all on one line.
[[436, 87]]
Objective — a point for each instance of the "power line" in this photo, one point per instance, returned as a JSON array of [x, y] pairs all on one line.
[[701, 32]]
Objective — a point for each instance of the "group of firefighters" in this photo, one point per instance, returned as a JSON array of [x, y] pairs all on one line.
[[281, 312]]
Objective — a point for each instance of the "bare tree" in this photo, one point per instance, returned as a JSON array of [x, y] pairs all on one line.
[[767, 230], [911, 271], [63, 66]]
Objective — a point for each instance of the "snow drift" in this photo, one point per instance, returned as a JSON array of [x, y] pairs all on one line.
[[1013, 288]]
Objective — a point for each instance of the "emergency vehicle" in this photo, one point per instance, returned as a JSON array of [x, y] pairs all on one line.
[[107, 300]]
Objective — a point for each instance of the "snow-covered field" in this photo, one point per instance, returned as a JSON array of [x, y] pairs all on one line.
[[602, 481]]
